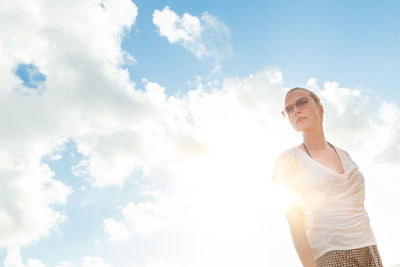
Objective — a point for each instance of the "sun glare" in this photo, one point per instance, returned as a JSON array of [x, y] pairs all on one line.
[[286, 198]]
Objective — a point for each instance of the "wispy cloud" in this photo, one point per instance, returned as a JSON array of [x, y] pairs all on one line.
[[204, 37]]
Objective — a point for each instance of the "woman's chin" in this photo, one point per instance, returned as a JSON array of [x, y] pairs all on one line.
[[300, 128]]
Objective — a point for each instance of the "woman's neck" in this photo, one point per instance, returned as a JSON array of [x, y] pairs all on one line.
[[315, 140]]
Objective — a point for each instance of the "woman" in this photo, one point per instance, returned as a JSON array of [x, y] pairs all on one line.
[[329, 224]]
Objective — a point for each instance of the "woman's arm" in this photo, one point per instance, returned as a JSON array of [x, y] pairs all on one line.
[[296, 222]]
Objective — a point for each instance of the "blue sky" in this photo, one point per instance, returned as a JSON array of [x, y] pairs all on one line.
[[356, 42], [143, 133]]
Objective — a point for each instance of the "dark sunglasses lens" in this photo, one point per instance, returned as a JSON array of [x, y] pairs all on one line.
[[301, 102]]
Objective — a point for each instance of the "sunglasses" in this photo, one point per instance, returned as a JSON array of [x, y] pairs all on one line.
[[300, 104]]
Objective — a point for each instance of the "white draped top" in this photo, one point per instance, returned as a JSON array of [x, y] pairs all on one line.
[[332, 203]]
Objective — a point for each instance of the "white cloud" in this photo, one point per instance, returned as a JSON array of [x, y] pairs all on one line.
[[312, 84], [144, 218], [85, 262], [160, 263], [221, 164], [116, 230], [204, 37], [94, 262], [25, 207], [14, 259], [78, 63], [64, 263], [206, 157], [200, 149]]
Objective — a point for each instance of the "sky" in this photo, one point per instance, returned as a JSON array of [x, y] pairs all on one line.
[[144, 133]]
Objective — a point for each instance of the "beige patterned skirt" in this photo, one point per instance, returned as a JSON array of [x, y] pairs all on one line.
[[359, 257]]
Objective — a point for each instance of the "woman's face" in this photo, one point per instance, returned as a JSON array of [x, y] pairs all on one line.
[[308, 117]]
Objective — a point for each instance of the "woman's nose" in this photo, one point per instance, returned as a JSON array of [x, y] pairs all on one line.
[[295, 110]]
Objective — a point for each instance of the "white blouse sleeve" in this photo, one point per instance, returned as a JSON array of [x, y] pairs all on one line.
[[284, 171]]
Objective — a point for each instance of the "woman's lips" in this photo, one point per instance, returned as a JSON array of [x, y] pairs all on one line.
[[300, 119]]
